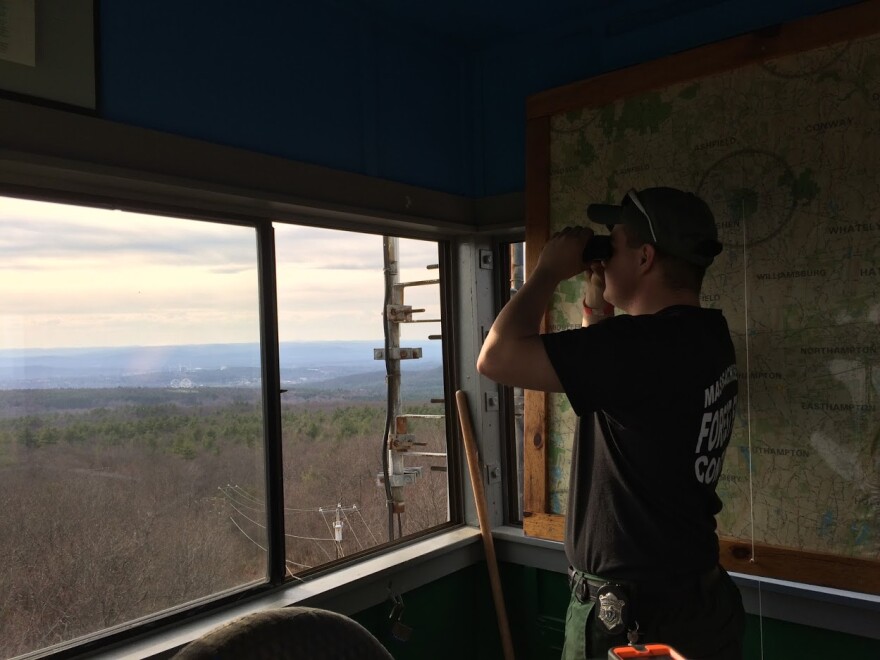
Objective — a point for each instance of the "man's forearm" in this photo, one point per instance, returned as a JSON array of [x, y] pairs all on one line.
[[521, 316], [513, 353]]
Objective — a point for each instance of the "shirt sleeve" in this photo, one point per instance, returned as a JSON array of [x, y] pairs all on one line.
[[596, 363]]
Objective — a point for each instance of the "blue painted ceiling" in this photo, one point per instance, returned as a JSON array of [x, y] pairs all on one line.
[[479, 23]]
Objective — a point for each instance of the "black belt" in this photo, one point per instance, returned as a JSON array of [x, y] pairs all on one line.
[[586, 587]]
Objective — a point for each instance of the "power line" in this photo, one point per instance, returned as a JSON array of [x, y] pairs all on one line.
[[261, 503], [287, 561], [367, 526], [229, 497], [243, 515], [244, 493], [329, 528], [351, 527], [231, 490], [293, 536], [307, 538], [246, 534]]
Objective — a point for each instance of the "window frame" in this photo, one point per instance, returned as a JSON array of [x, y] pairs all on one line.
[[506, 397], [82, 183]]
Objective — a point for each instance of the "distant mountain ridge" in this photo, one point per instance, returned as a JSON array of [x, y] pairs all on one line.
[[205, 365]]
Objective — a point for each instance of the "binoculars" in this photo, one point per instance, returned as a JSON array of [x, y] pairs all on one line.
[[598, 248]]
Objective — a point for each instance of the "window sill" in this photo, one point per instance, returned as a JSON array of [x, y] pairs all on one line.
[[830, 609], [357, 587], [809, 605], [347, 590]]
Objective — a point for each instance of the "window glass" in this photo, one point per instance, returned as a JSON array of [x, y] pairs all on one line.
[[331, 294], [130, 410]]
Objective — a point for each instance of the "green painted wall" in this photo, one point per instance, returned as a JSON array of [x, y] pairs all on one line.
[[450, 618], [454, 618]]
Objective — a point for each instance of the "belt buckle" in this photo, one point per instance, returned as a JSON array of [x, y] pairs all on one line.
[[614, 608]]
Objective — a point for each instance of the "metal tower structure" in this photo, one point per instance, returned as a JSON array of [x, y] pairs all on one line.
[[397, 441]]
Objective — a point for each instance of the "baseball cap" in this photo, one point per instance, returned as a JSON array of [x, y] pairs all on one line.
[[677, 222]]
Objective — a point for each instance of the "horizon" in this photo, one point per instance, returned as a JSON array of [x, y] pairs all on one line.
[[199, 365], [379, 344]]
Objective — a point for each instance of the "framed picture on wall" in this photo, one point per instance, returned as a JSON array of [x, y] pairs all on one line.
[[48, 52]]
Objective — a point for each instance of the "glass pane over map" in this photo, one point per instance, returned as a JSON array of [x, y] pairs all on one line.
[[786, 154]]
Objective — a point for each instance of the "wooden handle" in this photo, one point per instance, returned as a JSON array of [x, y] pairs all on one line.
[[473, 461]]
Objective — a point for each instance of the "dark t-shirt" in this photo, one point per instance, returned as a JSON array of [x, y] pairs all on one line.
[[655, 397]]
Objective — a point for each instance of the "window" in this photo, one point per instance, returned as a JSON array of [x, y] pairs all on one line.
[[133, 423], [129, 358], [331, 293]]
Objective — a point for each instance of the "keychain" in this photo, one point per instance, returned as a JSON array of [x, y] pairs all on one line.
[[399, 630], [632, 636]]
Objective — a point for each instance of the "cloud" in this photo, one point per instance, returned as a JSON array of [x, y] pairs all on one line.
[[329, 249], [233, 269], [78, 276], [41, 231]]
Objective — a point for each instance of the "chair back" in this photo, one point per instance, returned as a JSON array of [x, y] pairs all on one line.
[[288, 633]]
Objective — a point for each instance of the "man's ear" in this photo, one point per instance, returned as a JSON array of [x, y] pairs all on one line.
[[646, 258]]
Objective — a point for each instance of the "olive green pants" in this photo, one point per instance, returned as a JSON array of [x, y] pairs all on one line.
[[701, 624]]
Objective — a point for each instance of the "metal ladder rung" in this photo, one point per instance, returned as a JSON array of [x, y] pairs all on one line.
[[403, 285]]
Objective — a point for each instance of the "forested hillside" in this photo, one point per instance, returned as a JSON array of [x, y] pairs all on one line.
[[122, 502]]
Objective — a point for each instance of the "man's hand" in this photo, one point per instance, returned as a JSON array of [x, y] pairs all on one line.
[[594, 286], [563, 255], [513, 353]]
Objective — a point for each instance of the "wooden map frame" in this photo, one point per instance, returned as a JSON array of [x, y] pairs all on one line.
[[853, 22]]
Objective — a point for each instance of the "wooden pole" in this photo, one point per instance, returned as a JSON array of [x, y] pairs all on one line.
[[470, 448]]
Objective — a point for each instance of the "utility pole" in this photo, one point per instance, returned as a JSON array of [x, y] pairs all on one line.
[[338, 525]]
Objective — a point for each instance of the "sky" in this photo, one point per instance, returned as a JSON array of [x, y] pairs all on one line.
[[78, 277]]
